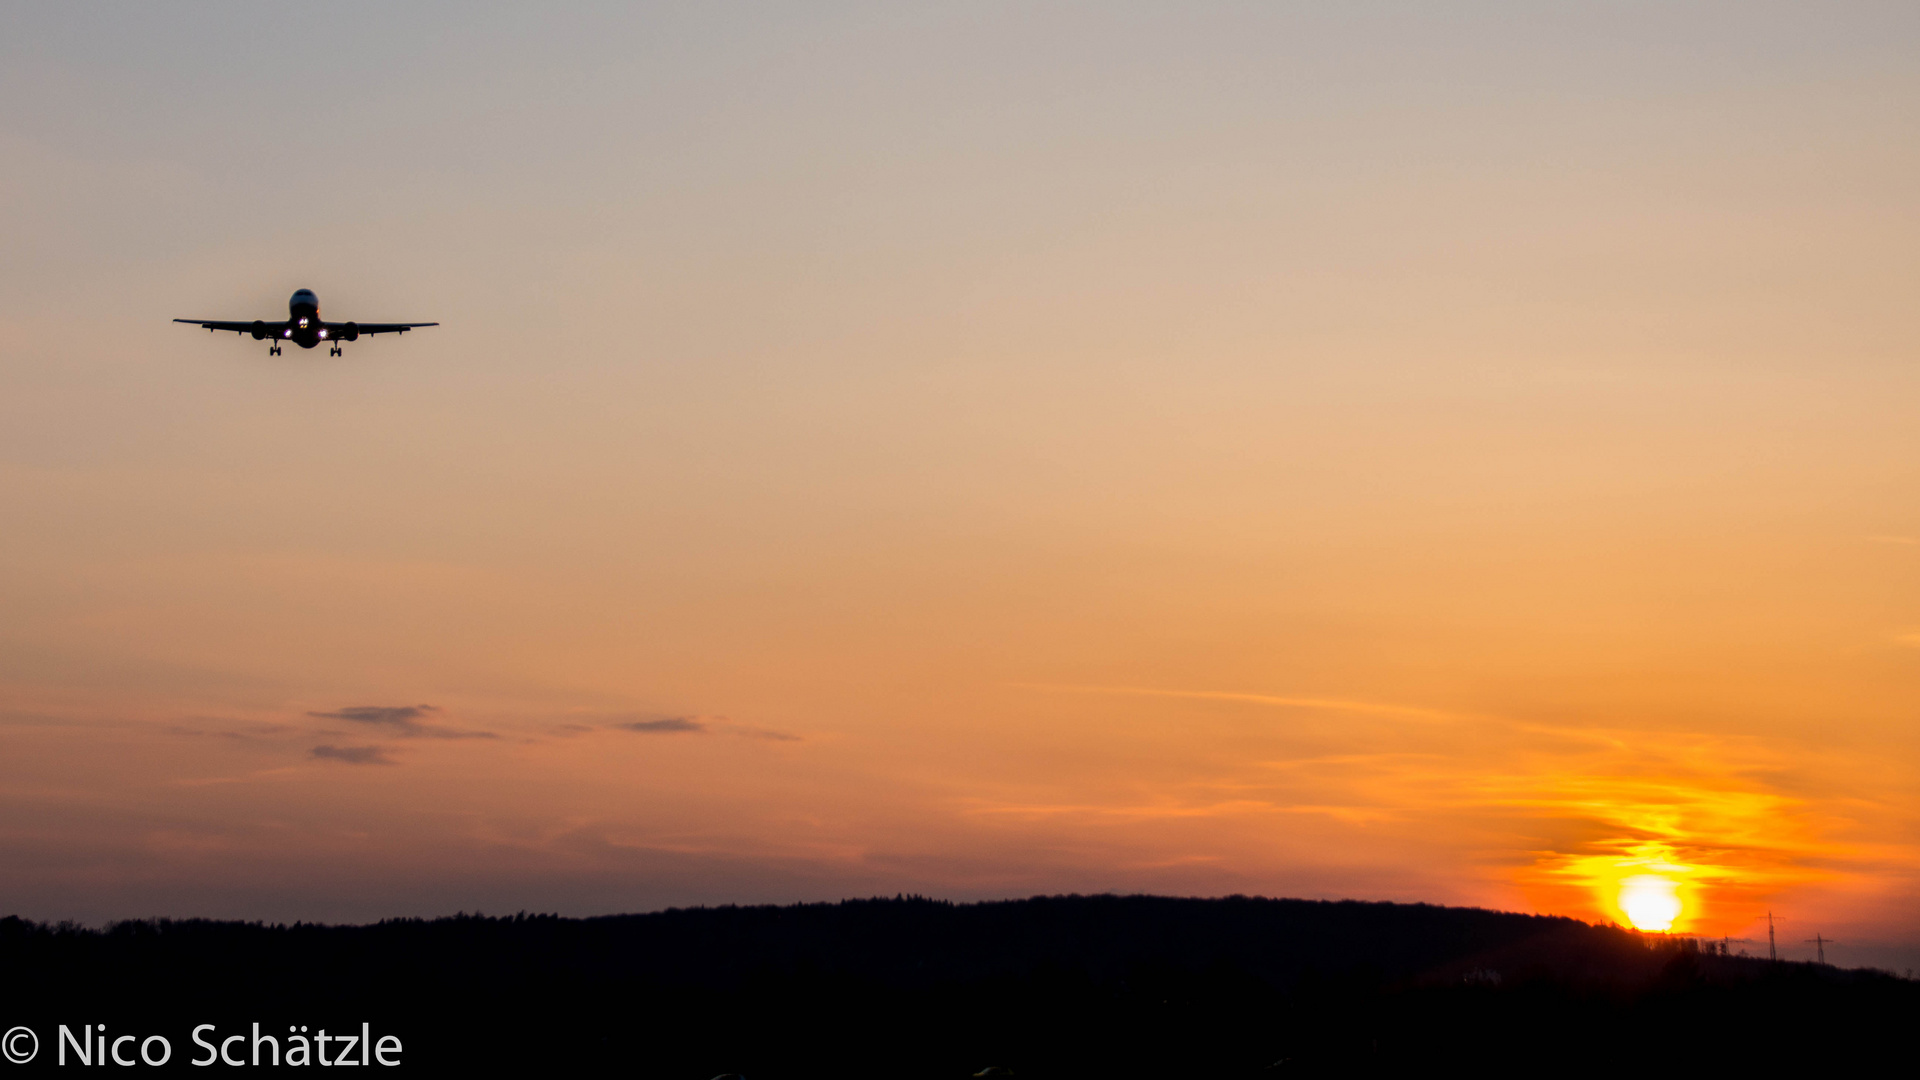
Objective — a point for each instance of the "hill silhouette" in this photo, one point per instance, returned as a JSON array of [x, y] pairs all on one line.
[[1067, 986]]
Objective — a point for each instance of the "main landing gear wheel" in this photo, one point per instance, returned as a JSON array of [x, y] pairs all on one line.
[[335, 351], [273, 350]]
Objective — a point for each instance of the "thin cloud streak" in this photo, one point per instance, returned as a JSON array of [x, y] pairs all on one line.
[[699, 725], [404, 720], [353, 755], [1373, 708], [394, 715], [666, 725]]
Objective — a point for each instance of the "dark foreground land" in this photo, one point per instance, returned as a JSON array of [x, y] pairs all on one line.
[[1098, 986]]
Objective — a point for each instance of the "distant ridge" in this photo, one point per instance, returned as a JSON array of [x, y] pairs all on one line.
[[1049, 986]]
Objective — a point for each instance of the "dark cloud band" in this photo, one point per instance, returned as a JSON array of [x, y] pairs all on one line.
[[665, 725], [353, 755], [394, 715]]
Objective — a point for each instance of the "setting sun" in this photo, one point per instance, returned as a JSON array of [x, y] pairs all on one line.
[[1651, 902]]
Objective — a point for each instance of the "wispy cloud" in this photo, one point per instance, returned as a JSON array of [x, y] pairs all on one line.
[[1373, 708], [665, 725], [353, 755], [651, 724], [395, 715], [411, 721]]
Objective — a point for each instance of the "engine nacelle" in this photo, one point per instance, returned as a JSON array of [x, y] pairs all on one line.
[[259, 330], [350, 332]]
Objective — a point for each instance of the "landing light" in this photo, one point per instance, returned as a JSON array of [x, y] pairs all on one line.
[[323, 333], [287, 334]]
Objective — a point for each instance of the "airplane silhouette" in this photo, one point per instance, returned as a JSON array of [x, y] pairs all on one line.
[[304, 328]]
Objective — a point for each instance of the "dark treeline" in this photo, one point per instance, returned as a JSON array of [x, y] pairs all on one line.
[[1098, 986]]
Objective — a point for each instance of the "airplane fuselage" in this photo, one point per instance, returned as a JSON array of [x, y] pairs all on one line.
[[304, 327]]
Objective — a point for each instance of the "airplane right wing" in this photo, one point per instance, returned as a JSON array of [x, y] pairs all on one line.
[[379, 327]]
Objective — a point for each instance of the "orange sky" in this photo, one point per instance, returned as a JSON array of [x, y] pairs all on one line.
[[1460, 457]]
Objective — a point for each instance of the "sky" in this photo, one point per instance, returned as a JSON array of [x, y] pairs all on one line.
[[1461, 453]]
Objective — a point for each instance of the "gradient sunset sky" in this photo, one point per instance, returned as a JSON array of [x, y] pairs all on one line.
[[1455, 452]]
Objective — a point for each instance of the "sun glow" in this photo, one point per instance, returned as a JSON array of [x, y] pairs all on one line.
[[1669, 834], [1650, 902]]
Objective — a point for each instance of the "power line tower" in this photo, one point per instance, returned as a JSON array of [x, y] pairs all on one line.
[[1820, 946], [1772, 953]]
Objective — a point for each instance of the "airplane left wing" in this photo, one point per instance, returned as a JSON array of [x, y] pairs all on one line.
[[273, 329]]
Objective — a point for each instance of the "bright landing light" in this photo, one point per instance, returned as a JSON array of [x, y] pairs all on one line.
[[1651, 903]]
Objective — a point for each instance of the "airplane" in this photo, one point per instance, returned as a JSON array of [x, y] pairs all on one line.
[[304, 328]]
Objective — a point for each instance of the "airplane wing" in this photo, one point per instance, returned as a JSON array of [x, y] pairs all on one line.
[[336, 329], [274, 329]]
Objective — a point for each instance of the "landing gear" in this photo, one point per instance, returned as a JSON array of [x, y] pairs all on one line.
[[274, 349], [335, 351]]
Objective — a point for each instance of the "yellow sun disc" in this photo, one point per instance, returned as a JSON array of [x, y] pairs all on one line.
[[1651, 903]]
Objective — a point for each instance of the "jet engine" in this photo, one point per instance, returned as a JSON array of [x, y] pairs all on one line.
[[350, 332], [259, 330]]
